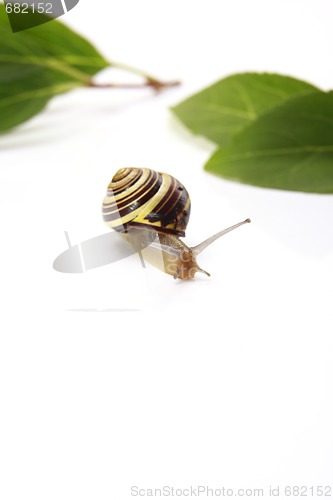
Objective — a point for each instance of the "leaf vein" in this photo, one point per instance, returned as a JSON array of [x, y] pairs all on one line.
[[282, 151]]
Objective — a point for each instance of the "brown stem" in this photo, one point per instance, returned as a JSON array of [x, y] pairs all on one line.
[[155, 84]]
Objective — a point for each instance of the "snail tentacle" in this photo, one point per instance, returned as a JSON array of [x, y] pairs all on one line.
[[204, 244]]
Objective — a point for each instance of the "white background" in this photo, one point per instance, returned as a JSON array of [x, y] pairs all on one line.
[[223, 381]]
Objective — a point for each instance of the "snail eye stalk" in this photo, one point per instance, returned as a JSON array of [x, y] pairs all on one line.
[[204, 244]]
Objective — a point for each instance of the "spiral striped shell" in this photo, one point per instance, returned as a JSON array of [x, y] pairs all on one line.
[[143, 197]]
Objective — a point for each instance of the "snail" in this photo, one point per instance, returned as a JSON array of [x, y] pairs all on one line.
[[152, 209]]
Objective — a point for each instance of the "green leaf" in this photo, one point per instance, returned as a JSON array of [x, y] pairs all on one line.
[[290, 147], [39, 63], [225, 108]]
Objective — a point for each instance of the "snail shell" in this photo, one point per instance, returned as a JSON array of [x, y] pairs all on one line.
[[151, 210], [140, 197]]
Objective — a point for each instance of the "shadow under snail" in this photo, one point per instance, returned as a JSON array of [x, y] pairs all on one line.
[[151, 210]]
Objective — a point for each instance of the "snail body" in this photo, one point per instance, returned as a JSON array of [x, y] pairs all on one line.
[[151, 210]]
